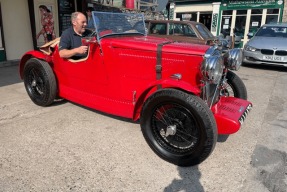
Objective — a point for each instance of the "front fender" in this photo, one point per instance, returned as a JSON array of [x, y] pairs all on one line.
[[163, 84], [32, 54]]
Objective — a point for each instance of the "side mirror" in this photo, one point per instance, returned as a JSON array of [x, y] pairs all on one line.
[[250, 35]]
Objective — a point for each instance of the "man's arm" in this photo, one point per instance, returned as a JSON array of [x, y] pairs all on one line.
[[66, 53], [65, 44]]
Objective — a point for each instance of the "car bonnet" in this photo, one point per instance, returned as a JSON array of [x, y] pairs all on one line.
[[268, 42], [150, 43]]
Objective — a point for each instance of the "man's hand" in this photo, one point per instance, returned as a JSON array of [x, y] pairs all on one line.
[[82, 49], [65, 53]]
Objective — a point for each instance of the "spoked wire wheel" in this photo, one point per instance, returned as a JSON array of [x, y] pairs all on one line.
[[228, 90], [175, 127], [179, 127]]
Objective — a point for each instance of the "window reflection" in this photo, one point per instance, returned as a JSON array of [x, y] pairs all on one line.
[[255, 20], [257, 11], [181, 30], [272, 16], [205, 33]]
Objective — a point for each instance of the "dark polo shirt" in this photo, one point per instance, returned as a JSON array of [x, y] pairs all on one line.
[[70, 40]]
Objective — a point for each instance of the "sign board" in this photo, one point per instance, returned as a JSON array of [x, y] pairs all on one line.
[[249, 3]]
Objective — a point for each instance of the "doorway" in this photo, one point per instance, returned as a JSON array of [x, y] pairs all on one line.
[[205, 18]]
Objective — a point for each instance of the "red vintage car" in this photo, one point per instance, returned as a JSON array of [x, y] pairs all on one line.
[[183, 94]]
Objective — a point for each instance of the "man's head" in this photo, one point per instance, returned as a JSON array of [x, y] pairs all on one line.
[[79, 22]]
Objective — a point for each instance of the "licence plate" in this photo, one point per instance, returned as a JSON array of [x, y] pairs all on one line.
[[273, 58]]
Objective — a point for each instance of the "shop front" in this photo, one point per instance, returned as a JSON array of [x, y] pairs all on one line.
[[199, 11], [240, 18], [233, 19]]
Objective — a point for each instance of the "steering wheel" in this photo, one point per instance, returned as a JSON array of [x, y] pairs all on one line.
[[90, 32]]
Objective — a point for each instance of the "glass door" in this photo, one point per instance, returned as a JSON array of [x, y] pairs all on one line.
[[239, 28], [226, 20], [255, 20]]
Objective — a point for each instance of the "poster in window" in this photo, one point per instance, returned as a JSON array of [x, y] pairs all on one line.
[[255, 24], [66, 5], [226, 21], [66, 8], [45, 24]]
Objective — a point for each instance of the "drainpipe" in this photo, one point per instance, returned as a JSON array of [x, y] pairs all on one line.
[[130, 4]]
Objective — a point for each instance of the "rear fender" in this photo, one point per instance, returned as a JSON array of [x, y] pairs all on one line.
[[162, 84], [29, 55]]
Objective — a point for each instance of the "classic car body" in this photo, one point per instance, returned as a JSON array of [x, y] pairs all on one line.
[[185, 31], [177, 90]]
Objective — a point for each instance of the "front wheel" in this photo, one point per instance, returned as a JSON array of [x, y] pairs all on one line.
[[179, 127], [234, 87]]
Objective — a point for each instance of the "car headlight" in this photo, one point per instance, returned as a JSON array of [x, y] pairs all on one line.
[[250, 48], [233, 59], [212, 69]]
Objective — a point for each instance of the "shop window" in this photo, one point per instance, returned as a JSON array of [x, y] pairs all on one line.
[[189, 16], [241, 12], [255, 20], [225, 25], [226, 22], [193, 17], [227, 12], [186, 16], [178, 16], [272, 11], [239, 29], [271, 19], [205, 18], [256, 11], [255, 23], [272, 16]]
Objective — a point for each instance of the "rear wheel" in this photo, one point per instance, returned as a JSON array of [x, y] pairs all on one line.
[[179, 127], [40, 82]]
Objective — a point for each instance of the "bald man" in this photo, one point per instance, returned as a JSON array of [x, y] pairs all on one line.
[[70, 42]]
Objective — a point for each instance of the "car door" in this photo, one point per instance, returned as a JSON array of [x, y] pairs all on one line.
[[84, 76]]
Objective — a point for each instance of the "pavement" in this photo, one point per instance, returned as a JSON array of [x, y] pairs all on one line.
[[67, 147], [9, 63]]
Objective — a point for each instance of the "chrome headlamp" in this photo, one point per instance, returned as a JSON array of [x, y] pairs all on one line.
[[212, 69], [233, 59]]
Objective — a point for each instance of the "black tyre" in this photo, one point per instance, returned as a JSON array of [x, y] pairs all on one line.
[[179, 127], [40, 82], [235, 86]]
